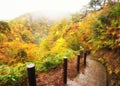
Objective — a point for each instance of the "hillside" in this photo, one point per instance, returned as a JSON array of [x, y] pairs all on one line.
[[103, 28], [36, 26], [28, 40]]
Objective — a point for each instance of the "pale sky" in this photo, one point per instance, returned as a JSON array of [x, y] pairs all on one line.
[[10, 9]]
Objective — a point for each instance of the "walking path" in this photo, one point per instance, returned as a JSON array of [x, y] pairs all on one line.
[[93, 75]]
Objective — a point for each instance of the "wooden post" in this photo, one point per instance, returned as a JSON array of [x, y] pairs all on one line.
[[65, 71], [78, 62], [81, 53], [89, 52], [31, 74], [85, 54]]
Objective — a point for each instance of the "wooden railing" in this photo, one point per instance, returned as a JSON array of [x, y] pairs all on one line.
[[31, 68]]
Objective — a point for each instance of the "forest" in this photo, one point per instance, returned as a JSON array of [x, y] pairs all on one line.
[[26, 40]]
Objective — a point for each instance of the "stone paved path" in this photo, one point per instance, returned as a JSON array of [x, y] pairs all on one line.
[[93, 75]]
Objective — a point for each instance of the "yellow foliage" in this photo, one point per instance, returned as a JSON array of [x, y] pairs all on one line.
[[14, 48], [45, 45], [60, 45]]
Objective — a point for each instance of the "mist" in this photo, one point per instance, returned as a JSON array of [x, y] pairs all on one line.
[[50, 8]]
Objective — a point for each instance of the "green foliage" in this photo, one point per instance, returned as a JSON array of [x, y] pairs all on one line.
[[12, 76], [105, 29], [104, 18], [50, 63], [115, 23], [115, 11], [51, 59]]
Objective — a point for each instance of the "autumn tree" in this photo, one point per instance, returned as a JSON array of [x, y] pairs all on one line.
[[98, 4], [77, 17], [4, 27], [4, 31]]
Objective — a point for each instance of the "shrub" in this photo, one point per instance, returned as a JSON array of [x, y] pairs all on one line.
[[51, 60], [12, 76], [106, 29], [50, 63]]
